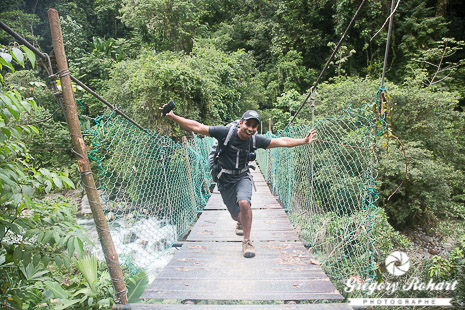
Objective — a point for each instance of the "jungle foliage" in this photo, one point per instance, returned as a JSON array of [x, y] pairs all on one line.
[[215, 59]]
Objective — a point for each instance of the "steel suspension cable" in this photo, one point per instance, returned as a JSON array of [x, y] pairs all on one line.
[[46, 57], [386, 52], [354, 18]]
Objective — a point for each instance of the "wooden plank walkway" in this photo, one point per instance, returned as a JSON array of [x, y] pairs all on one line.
[[210, 265]]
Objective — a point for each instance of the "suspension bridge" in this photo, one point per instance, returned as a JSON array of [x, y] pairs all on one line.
[[210, 265], [312, 229]]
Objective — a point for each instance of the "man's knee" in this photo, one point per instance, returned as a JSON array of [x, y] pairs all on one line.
[[244, 205]]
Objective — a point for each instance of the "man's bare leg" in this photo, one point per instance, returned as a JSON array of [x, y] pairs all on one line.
[[245, 216], [239, 230]]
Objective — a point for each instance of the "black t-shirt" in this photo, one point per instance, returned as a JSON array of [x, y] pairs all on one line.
[[228, 157]]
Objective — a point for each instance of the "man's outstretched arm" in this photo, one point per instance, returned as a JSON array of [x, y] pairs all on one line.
[[188, 124], [291, 142]]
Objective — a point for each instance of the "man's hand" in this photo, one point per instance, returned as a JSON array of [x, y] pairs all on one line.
[[291, 142], [170, 114], [310, 136]]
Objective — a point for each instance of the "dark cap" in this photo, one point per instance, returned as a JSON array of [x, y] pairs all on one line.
[[251, 114]]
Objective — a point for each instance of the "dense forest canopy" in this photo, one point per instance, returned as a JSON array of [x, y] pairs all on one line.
[[218, 58], [289, 41]]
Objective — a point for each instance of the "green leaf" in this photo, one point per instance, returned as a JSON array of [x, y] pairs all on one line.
[[26, 105], [67, 181], [47, 236], [58, 261], [17, 132], [30, 55], [57, 290], [79, 246], [45, 261], [64, 241], [40, 236], [85, 291], [6, 132], [56, 236], [33, 128], [57, 182], [17, 254], [36, 259], [27, 130], [13, 112], [27, 191], [16, 198], [136, 287], [32, 232], [6, 58], [66, 262], [88, 267], [49, 186], [12, 226], [7, 180], [8, 65], [33, 273], [63, 304], [18, 56], [45, 172], [2, 233], [71, 246]]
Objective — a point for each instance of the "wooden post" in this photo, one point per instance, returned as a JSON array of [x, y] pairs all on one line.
[[189, 173], [79, 149]]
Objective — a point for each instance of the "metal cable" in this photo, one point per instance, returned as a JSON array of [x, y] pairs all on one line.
[[328, 62]]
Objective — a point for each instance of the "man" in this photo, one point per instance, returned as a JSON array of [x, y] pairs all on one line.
[[235, 183]]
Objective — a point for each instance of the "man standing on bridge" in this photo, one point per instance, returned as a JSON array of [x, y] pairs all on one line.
[[235, 183]]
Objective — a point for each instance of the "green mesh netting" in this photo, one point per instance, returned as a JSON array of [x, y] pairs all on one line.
[[153, 187], [328, 189], [150, 186]]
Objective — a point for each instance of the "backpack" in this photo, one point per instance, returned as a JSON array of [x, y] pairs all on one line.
[[218, 148]]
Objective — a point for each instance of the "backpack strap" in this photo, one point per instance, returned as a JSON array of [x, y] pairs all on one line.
[[228, 137], [230, 134]]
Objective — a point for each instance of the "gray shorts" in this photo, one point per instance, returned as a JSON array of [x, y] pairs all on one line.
[[239, 189]]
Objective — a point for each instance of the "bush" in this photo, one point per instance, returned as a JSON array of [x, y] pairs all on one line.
[[208, 85], [425, 196]]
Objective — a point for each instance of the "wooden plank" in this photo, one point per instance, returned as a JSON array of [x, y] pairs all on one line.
[[210, 264], [254, 235], [218, 274], [258, 202], [207, 269], [331, 306], [268, 224], [251, 289]]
